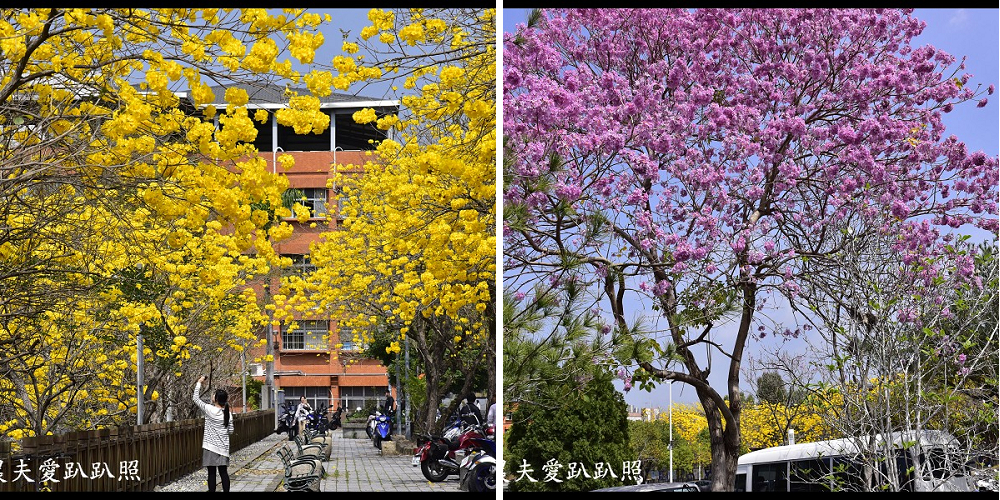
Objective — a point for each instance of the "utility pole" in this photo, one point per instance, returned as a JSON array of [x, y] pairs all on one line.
[[243, 374], [139, 393], [399, 421], [407, 372]]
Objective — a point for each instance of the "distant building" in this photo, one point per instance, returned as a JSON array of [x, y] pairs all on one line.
[[307, 361], [634, 413]]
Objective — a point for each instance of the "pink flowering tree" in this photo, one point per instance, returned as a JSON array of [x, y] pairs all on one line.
[[708, 164]]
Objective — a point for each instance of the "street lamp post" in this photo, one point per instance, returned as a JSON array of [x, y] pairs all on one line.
[[670, 419], [336, 193], [268, 333], [399, 385]]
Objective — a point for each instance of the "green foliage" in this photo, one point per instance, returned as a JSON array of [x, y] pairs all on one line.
[[534, 18], [416, 390], [651, 444], [381, 338], [361, 416], [290, 197], [771, 388], [973, 332], [585, 425], [253, 393], [383, 335], [551, 339]]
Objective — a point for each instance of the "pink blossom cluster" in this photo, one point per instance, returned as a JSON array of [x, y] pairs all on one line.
[[732, 142], [625, 377]]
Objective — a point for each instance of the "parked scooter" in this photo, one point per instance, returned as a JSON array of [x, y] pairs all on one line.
[[370, 426], [335, 421], [477, 472], [317, 420], [382, 430], [437, 454], [287, 422]]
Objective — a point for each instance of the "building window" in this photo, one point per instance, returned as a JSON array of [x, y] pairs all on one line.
[[341, 201], [318, 397], [301, 265], [311, 335], [315, 201], [347, 339], [264, 140], [353, 136], [355, 398]]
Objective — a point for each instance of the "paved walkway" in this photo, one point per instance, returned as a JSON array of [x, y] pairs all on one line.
[[354, 465]]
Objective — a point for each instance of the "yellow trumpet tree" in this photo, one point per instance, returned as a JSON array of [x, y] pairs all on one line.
[[417, 250], [765, 424], [129, 205]]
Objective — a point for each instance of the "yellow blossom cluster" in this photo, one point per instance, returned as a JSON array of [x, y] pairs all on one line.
[[766, 424], [418, 238], [762, 424], [303, 115], [144, 217]]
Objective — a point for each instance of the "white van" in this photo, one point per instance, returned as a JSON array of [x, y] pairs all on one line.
[[914, 461]]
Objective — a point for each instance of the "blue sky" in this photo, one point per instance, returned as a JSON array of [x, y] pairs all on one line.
[[974, 33], [970, 32], [352, 20]]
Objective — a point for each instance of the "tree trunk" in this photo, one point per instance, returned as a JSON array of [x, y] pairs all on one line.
[[725, 444]]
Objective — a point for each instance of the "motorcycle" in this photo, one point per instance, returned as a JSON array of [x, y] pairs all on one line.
[[287, 422], [477, 472], [318, 421], [335, 422], [435, 454], [381, 431]]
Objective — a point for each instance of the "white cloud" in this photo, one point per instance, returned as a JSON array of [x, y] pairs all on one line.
[[960, 18]]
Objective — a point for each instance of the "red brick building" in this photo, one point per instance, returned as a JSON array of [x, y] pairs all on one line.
[[306, 359]]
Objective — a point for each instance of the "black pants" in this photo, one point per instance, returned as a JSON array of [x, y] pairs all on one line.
[[223, 474]]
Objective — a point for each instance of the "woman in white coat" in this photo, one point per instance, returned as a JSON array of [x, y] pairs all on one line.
[[215, 442]]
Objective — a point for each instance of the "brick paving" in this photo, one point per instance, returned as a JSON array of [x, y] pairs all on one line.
[[355, 465]]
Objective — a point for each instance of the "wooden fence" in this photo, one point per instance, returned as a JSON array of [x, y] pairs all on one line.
[[136, 458]]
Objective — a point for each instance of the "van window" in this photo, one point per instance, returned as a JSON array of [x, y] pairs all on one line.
[[810, 475], [770, 477], [934, 464], [848, 475], [741, 483], [904, 470]]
